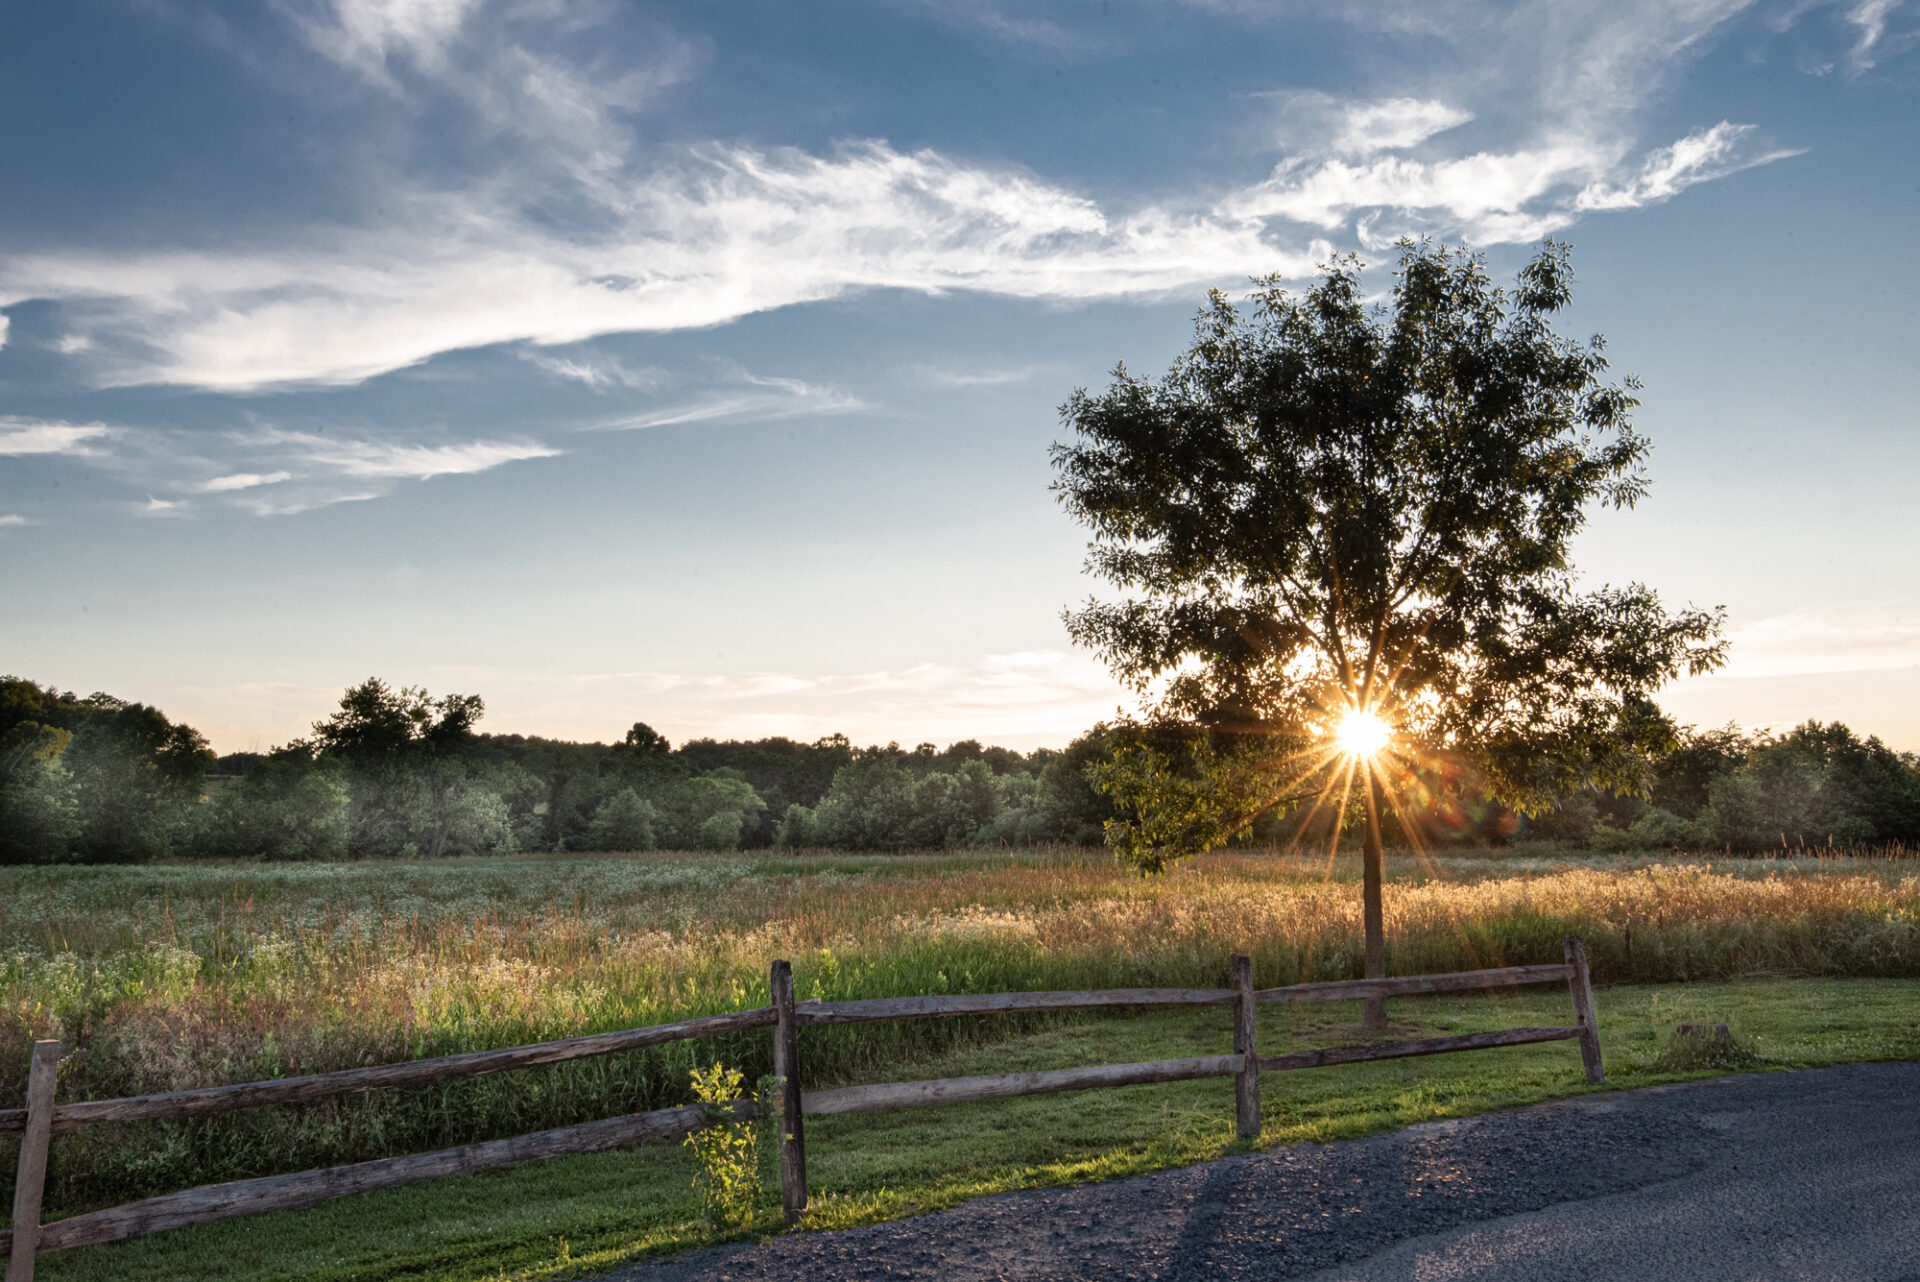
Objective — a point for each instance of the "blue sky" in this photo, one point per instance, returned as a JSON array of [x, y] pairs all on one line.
[[697, 364]]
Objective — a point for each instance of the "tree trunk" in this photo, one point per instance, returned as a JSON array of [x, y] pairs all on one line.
[[1375, 1019]]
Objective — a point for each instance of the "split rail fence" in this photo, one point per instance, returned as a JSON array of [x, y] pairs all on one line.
[[42, 1117]]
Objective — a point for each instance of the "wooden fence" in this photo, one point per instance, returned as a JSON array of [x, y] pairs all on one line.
[[42, 1117]]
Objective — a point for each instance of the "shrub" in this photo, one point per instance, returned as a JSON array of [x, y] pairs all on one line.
[[622, 822], [728, 1151]]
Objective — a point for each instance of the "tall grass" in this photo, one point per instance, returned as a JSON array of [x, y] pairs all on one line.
[[166, 977]]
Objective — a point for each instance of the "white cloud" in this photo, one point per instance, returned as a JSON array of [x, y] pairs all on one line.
[[6, 323], [242, 481], [1869, 17], [268, 470], [979, 375], [599, 373], [394, 461], [511, 71], [720, 234], [1319, 122], [366, 34], [26, 436], [1494, 197], [620, 240], [1392, 124], [1667, 171], [11, 519], [772, 398]]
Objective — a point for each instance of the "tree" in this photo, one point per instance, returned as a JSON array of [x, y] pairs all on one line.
[[1342, 536], [38, 818], [132, 779], [1817, 785], [407, 780], [623, 821], [286, 806]]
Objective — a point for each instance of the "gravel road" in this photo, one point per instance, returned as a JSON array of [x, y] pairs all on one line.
[[1811, 1175]]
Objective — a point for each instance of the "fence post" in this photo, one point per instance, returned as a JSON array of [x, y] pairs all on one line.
[[1581, 986], [786, 1067], [30, 1181], [1246, 1085]]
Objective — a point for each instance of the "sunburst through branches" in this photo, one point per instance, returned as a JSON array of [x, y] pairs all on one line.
[[1361, 734]]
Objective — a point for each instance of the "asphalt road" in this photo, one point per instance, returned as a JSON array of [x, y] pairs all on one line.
[[1808, 1175]]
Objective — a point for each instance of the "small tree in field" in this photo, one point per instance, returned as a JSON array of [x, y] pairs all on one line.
[[1341, 533]]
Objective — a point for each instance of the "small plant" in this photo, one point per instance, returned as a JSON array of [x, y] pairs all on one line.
[[728, 1150], [1697, 1048]]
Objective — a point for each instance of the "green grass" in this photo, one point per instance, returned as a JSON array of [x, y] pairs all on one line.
[[570, 1216]]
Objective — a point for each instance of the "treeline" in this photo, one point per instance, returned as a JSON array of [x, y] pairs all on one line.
[[394, 772], [1818, 785]]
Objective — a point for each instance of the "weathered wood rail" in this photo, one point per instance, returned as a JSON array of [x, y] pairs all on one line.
[[43, 1117]]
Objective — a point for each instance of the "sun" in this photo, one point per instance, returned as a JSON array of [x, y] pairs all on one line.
[[1361, 734]]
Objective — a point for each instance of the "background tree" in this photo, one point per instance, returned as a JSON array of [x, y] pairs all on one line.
[[38, 812], [409, 784], [1332, 517], [125, 783], [288, 805]]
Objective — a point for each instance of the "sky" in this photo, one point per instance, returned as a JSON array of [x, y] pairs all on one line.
[[698, 364]]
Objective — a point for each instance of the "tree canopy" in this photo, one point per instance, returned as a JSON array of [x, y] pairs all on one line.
[[1331, 505]]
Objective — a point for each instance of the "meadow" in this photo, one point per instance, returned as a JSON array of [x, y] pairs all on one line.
[[171, 976]]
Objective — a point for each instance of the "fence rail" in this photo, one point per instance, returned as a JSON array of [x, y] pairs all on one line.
[[42, 1117]]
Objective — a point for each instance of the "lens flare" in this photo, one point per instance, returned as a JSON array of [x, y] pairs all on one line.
[[1361, 734]]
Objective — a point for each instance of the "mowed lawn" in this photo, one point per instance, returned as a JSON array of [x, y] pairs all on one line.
[[570, 1216]]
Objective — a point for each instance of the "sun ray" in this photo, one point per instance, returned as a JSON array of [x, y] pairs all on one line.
[[1339, 817], [1306, 821], [1418, 846]]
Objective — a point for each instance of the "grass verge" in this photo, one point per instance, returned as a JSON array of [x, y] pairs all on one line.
[[572, 1216]]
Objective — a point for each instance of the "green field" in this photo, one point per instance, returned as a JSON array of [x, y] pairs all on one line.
[[176, 976]]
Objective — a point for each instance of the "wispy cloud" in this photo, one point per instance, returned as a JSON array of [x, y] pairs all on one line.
[[1492, 197], [1018, 26], [762, 399], [12, 519], [1319, 122], [395, 461], [242, 481], [367, 35], [626, 238], [1874, 35], [539, 72], [601, 373], [322, 469], [979, 375], [714, 235], [1869, 19], [267, 470], [28, 436], [1668, 171]]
